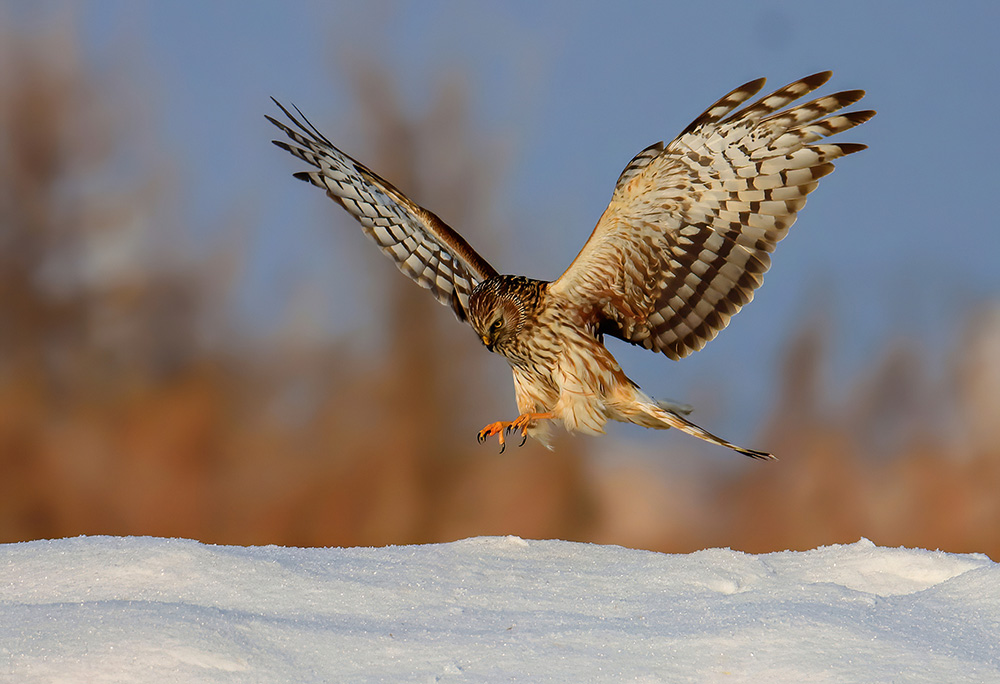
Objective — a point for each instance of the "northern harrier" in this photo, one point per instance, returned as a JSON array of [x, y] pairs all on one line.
[[680, 249]]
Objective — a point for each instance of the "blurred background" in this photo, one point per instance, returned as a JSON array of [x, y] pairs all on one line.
[[194, 344]]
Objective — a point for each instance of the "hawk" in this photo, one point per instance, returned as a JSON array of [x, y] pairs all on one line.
[[680, 249]]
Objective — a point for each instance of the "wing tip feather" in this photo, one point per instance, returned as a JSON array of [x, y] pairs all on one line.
[[851, 148], [816, 80]]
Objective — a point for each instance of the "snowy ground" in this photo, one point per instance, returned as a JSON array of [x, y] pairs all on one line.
[[107, 609]]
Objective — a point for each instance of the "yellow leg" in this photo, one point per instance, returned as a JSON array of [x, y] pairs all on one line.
[[519, 424]]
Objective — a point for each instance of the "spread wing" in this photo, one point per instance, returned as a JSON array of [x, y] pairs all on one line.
[[421, 244], [688, 234]]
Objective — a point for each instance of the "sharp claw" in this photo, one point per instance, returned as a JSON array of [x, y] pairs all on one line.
[[501, 430]]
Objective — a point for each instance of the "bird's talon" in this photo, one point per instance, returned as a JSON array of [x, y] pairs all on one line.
[[503, 428]]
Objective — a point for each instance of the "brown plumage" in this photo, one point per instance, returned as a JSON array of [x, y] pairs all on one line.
[[680, 249]]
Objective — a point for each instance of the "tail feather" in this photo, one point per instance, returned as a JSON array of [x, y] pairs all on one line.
[[675, 420], [674, 406]]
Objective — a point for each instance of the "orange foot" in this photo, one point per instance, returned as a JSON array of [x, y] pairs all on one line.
[[501, 428]]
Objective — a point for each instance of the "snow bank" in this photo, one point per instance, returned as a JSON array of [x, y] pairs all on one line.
[[492, 609]]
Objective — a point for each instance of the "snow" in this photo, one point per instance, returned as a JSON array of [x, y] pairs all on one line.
[[492, 609]]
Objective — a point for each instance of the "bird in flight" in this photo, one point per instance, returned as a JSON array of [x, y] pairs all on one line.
[[680, 249]]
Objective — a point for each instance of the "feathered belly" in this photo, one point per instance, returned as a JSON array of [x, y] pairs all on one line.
[[584, 389]]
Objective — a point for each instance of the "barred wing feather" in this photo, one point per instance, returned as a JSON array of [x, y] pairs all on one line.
[[422, 245], [690, 227]]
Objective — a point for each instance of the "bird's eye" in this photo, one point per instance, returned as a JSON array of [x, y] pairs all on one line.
[[497, 324]]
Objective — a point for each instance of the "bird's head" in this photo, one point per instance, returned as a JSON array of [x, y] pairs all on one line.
[[499, 308]]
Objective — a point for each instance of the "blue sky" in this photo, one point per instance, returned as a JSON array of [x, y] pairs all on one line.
[[901, 242]]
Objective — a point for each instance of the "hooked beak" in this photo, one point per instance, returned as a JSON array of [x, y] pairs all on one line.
[[488, 342]]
